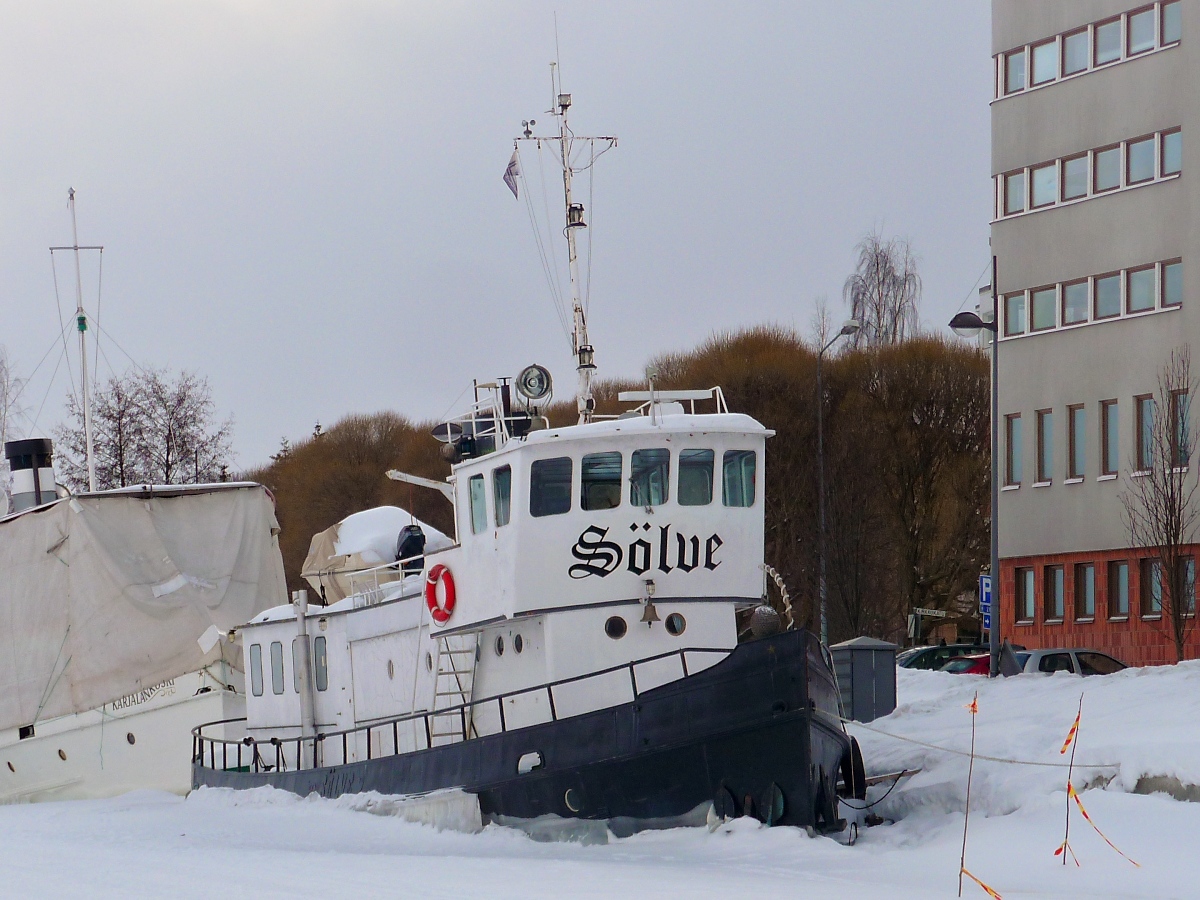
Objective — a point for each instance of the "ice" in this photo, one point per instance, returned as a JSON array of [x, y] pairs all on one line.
[[372, 534]]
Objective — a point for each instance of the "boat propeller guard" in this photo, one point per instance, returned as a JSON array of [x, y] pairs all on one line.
[[441, 612]]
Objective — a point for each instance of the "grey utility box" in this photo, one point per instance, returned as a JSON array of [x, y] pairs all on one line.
[[866, 677]]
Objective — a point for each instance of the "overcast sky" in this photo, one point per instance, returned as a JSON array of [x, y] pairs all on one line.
[[303, 200]]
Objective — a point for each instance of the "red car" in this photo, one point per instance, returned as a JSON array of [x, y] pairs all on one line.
[[968, 665]]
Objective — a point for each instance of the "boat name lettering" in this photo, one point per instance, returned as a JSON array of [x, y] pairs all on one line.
[[137, 698], [601, 557]]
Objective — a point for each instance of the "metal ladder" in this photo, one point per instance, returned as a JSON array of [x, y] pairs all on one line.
[[452, 687]]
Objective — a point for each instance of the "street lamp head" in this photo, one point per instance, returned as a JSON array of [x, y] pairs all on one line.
[[850, 326], [968, 324]]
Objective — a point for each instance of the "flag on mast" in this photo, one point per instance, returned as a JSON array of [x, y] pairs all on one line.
[[512, 173]]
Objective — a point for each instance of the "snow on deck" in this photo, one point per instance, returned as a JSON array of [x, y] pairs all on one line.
[[266, 843]]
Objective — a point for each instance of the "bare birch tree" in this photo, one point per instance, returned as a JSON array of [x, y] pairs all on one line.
[[10, 391], [884, 292], [1161, 497]]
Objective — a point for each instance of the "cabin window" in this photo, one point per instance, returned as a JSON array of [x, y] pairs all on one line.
[[321, 664], [256, 686], [277, 666], [502, 495], [478, 495], [738, 478], [550, 486], [695, 477], [650, 474], [600, 476], [296, 664]]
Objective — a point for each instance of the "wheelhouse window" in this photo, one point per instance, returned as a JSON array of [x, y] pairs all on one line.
[[737, 482], [478, 497], [296, 664], [1045, 445], [1075, 177], [1140, 160], [1141, 31], [277, 667], [1145, 432], [1014, 72], [1151, 587], [1085, 591], [1118, 589], [1025, 597], [321, 663], [1075, 302], [1172, 283], [695, 477], [1172, 152], [502, 495], [550, 486], [649, 477], [1106, 169], [1139, 289], [600, 481], [1107, 294], [1110, 436], [1014, 314], [1055, 592], [256, 673], [1012, 459], [1077, 440], [1108, 42], [1075, 52]]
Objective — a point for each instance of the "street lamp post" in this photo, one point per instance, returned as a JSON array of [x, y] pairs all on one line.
[[968, 324], [850, 326]]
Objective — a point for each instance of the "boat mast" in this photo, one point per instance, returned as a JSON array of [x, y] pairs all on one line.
[[81, 325]]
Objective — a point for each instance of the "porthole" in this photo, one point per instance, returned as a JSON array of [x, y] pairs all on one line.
[[499, 645], [391, 670], [129, 737], [571, 797], [615, 627], [428, 661], [675, 624], [62, 754], [518, 644]]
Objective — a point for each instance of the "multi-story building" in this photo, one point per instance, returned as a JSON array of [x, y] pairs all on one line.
[[1096, 236]]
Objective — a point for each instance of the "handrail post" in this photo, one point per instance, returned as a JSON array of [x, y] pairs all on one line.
[[550, 695]]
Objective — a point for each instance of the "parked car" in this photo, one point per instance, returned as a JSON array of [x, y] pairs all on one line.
[[935, 657], [975, 664], [1081, 661]]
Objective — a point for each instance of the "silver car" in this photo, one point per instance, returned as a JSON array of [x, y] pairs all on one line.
[[1062, 659]]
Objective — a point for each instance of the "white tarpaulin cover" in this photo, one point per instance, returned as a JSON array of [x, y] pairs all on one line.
[[103, 595]]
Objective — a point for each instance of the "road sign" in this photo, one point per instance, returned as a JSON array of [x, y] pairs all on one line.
[[985, 594], [931, 613], [987, 621]]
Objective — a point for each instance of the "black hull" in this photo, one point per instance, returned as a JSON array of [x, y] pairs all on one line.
[[756, 734]]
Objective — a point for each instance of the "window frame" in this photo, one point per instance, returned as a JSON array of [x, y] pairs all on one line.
[[1039, 293], [1085, 33], [1076, 441], [712, 467], [584, 480], [1055, 594], [1127, 155], [1130, 275], [1013, 452], [1095, 168], [256, 670], [1007, 179], [1115, 597], [1008, 329], [1044, 419], [1025, 607], [1005, 76], [1164, 303], [1031, 67], [1087, 177], [1180, 400], [1143, 435], [1110, 444], [1087, 301], [1162, 23], [1150, 572], [1127, 49], [1118, 21], [1051, 166], [477, 514], [321, 663], [634, 474], [497, 505], [1081, 598], [278, 681], [534, 481], [1118, 280], [1162, 152], [725, 460]]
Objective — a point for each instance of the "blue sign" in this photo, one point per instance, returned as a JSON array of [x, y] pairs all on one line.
[[985, 598], [987, 621]]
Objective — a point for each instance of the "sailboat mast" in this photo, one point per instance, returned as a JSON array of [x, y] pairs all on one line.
[[81, 325], [584, 354]]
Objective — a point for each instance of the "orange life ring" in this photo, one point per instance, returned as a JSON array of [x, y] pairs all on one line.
[[441, 612]]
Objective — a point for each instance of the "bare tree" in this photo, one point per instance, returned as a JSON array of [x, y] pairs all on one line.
[[884, 292], [1161, 498], [148, 427], [10, 391]]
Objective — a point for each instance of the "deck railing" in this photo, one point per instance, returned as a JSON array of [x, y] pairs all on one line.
[[251, 754]]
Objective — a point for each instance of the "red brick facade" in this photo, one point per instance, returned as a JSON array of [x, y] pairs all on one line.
[[1136, 639]]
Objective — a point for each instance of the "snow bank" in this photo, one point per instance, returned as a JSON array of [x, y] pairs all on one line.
[[1137, 725], [372, 534]]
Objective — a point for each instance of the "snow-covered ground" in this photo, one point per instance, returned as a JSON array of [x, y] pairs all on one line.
[[269, 844]]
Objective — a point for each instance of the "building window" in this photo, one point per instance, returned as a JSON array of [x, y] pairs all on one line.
[[649, 477], [1172, 23], [1145, 432], [1042, 304], [1187, 583], [1054, 596], [1110, 434], [1172, 283], [550, 486], [1014, 72], [1075, 52], [1085, 591], [477, 494], [737, 478], [1106, 169], [1139, 160], [600, 481], [1014, 192], [1181, 437], [1075, 302], [1025, 599], [1045, 62], [1141, 31], [1014, 314], [1077, 440], [1151, 587], [502, 495], [695, 477], [1012, 460], [1043, 185], [1118, 589], [1139, 289], [1075, 177], [1107, 294], [1045, 445], [1107, 43], [1172, 152]]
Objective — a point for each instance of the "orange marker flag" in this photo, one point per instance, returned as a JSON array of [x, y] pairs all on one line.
[[1075, 796], [991, 892], [973, 706], [1071, 734]]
